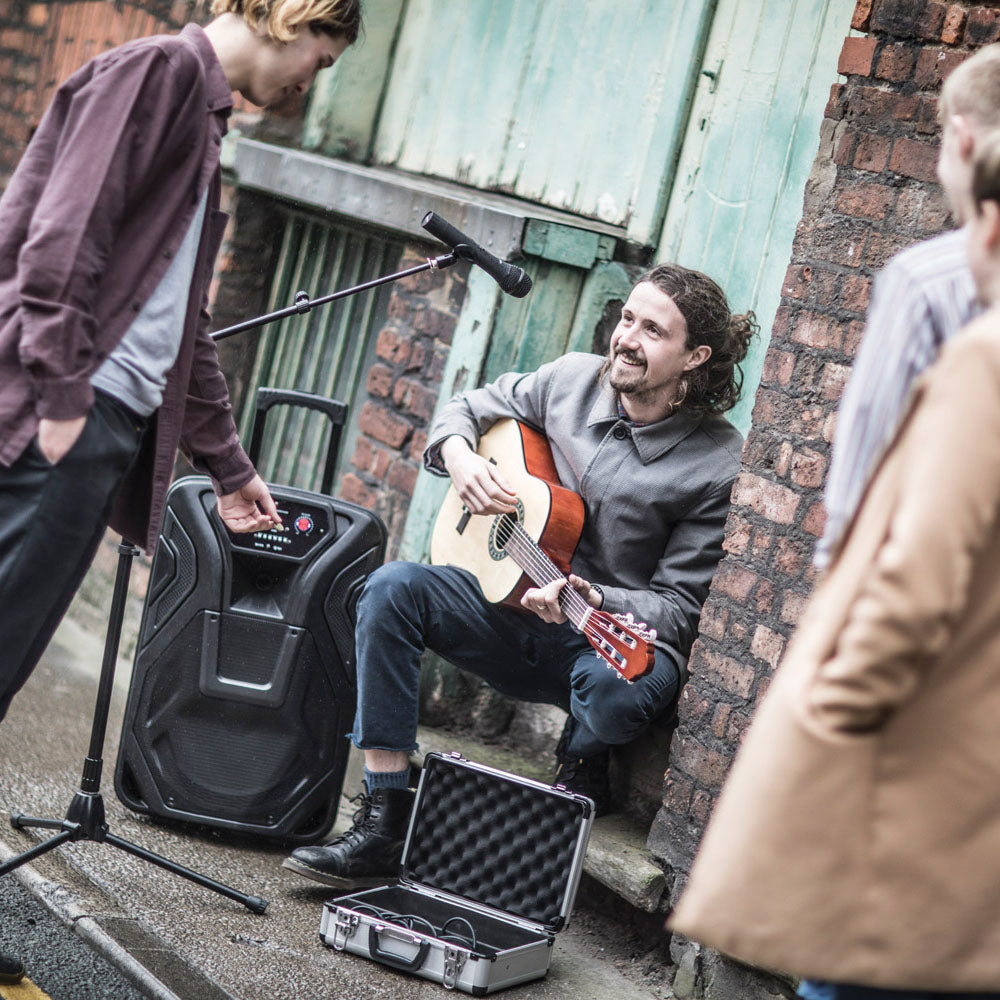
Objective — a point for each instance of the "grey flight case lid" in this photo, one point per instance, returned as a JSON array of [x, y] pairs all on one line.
[[497, 841]]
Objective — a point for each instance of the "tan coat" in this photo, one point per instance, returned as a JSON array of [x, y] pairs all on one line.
[[858, 836]]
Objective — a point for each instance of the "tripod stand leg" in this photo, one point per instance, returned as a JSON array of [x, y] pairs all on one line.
[[39, 849], [253, 903], [85, 816]]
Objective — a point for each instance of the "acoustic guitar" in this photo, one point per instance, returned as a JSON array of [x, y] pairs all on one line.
[[508, 553]]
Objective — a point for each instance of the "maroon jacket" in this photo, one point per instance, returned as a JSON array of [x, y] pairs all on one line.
[[95, 210]]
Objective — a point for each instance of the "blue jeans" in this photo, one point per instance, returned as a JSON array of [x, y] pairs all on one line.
[[406, 607], [811, 989]]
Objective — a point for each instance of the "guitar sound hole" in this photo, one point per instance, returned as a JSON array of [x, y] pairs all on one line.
[[502, 531]]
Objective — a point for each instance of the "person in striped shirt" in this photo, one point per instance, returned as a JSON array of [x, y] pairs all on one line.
[[923, 296]]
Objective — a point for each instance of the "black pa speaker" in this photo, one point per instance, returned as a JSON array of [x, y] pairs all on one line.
[[243, 686]]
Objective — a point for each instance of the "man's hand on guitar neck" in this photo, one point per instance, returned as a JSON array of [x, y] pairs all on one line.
[[478, 483], [544, 601]]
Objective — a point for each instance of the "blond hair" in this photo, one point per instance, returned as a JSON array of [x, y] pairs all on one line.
[[283, 20], [972, 89]]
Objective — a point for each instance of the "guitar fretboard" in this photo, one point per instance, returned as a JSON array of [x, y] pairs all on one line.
[[521, 547]]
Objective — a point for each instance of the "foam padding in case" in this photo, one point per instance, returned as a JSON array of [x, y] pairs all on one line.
[[494, 840]]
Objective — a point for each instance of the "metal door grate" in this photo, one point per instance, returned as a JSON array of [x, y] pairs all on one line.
[[327, 351]]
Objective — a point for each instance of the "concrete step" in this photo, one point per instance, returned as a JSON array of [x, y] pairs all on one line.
[[616, 856]]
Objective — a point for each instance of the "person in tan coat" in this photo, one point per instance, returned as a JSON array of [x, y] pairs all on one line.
[[857, 839]]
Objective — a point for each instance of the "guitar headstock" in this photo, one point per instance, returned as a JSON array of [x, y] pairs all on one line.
[[625, 644]]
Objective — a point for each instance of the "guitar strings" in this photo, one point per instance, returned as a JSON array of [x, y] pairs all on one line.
[[541, 566]]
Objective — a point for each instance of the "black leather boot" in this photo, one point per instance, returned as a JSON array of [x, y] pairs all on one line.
[[11, 970], [584, 775], [369, 852]]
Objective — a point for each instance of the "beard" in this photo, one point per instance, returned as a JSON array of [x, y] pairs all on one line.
[[626, 378]]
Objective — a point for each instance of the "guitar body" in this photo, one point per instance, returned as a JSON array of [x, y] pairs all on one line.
[[551, 514]]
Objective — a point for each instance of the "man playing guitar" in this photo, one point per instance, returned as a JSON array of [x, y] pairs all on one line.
[[640, 436]]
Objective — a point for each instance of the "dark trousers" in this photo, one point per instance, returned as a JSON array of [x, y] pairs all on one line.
[[52, 518], [407, 607]]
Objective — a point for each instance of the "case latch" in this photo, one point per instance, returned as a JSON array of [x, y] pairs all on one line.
[[344, 927], [454, 962]]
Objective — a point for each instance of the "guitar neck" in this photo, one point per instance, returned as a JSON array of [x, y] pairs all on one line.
[[521, 547]]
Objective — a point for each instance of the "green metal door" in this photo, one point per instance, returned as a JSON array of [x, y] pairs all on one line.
[[750, 145]]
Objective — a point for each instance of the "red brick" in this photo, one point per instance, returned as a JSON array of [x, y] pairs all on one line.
[[819, 332], [402, 476], [354, 490], [934, 64], [775, 502], [435, 323], [815, 519], [896, 63], [737, 536], [414, 397], [792, 606], [843, 155], [862, 15], [808, 468], [855, 292], [378, 422], [701, 806], [733, 580], [719, 719], [913, 158], [866, 201], [778, 367], [38, 15], [767, 645], [834, 378], [874, 105], [763, 597], [418, 445], [714, 616], [954, 23], [908, 18], [760, 546], [835, 106], [368, 458], [783, 460], [789, 557], [857, 56], [722, 671], [872, 153], [927, 117], [379, 381], [982, 27], [393, 346], [855, 331], [707, 767]]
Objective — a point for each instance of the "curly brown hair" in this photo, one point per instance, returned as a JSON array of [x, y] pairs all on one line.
[[715, 385]]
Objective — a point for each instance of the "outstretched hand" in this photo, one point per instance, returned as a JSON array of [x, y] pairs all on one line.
[[250, 508]]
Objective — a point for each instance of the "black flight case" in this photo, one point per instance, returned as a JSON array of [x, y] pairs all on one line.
[[243, 687], [489, 873]]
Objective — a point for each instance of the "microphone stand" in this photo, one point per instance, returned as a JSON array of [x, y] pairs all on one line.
[[85, 818]]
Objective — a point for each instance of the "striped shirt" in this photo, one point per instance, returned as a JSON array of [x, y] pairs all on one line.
[[923, 296]]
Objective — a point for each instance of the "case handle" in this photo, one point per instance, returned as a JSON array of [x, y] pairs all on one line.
[[396, 961], [335, 410]]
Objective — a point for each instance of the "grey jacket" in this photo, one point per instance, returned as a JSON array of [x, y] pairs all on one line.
[[656, 496]]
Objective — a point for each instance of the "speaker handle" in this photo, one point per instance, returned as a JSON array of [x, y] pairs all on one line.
[[333, 408]]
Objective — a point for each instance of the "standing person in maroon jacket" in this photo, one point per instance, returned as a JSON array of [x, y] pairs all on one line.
[[108, 234]]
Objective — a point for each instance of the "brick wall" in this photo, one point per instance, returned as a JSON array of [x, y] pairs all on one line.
[[42, 43], [872, 192], [402, 388]]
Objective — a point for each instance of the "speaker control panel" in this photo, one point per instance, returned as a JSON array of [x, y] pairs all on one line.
[[304, 526]]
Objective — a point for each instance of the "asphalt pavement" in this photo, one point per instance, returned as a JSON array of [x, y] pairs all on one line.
[[161, 935]]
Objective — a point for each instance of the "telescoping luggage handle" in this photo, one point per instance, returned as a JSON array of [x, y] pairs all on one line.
[[333, 408]]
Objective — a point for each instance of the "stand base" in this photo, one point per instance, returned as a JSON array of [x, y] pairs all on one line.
[[85, 821]]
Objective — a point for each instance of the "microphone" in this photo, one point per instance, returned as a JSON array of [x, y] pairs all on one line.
[[509, 277]]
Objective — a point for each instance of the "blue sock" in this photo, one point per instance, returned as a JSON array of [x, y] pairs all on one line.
[[387, 779]]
